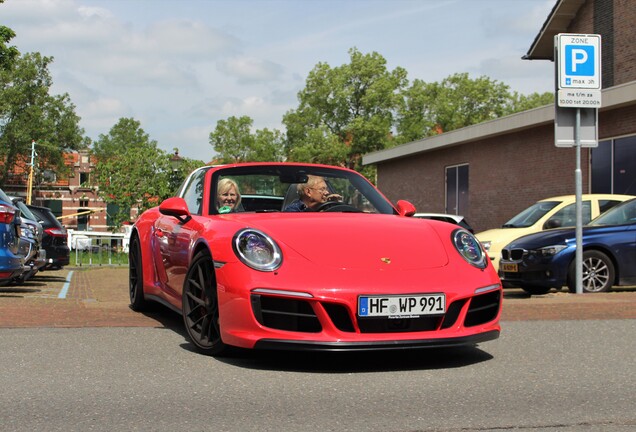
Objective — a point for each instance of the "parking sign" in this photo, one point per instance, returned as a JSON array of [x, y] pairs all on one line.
[[579, 59]]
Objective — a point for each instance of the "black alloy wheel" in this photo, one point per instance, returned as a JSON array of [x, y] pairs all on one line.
[[135, 276], [200, 306], [598, 273]]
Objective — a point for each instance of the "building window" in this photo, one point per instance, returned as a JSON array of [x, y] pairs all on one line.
[[457, 189], [55, 206], [613, 166], [82, 219], [84, 179]]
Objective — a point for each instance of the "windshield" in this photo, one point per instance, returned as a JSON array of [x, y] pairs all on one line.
[[272, 188], [4, 197], [26, 212], [531, 215], [624, 213]]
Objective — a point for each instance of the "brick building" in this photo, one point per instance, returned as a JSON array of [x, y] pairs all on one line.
[[73, 198], [491, 171]]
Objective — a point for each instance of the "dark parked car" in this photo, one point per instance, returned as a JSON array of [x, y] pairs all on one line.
[[55, 238], [540, 261], [30, 241], [11, 262], [446, 217]]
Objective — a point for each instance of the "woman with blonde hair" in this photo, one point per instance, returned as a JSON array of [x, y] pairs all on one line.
[[228, 198]]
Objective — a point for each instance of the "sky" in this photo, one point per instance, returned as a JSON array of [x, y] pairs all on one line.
[[180, 66]]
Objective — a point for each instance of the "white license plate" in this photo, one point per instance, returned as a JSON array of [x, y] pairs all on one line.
[[411, 306], [508, 267]]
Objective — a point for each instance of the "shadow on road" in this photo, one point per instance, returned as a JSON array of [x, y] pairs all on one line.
[[11, 291], [48, 278], [353, 362]]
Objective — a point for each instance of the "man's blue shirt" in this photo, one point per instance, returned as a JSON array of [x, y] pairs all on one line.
[[296, 206]]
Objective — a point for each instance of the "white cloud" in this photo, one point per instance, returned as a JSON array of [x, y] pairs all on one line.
[[180, 66], [103, 113], [251, 70]]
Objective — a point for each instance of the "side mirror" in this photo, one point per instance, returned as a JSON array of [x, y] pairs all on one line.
[[552, 223], [405, 208], [175, 207]]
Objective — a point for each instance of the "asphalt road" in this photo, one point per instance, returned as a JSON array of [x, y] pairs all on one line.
[[88, 363], [539, 376]]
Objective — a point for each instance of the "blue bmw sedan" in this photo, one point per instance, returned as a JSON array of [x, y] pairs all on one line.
[[540, 261]]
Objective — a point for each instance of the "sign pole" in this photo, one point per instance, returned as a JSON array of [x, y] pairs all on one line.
[[31, 169], [579, 208], [578, 73]]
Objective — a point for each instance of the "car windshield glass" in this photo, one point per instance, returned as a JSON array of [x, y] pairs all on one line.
[[271, 188], [4, 197], [531, 215], [623, 213], [25, 211], [45, 217]]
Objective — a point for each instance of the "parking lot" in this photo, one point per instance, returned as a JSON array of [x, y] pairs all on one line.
[[77, 358], [98, 297]]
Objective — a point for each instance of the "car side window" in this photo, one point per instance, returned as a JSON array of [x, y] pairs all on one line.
[[566, 217], [605, 205], [193, 193]]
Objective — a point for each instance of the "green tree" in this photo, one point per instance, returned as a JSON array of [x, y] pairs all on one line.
[[345, 112], [232, 139], [269, 145], [28, 112], [131, 171], [534, 100], [456, 102], [234, 142], [8, 54]]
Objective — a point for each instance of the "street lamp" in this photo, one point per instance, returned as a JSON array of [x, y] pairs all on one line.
[[175, 164]]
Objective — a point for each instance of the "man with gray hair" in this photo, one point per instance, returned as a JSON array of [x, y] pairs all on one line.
[[311, 195]]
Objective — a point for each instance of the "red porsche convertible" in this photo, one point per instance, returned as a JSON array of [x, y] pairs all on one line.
[[351, 273]]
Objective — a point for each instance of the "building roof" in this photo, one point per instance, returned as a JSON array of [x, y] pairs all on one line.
[[557, 22]]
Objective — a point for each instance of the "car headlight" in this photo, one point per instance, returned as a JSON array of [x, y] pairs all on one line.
[[257, 250], [469, 247], [28, 231], [549, 251]]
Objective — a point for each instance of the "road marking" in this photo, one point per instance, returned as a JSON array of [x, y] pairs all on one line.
[[62, 293]]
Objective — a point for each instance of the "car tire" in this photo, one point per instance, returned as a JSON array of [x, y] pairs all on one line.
[[200, 307], [138, 302], [598, 273], [535, 290]]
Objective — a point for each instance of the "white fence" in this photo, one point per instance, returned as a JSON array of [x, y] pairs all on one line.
[[98, 248]]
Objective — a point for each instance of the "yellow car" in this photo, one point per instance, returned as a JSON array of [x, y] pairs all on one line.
[[555, 212]]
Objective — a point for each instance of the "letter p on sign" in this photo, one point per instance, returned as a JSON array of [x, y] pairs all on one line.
[[578, 63], [579, 60]]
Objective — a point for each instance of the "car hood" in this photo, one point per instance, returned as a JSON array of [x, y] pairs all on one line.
[[543, 238], [361, 241], [503, 236], [565, 235]]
